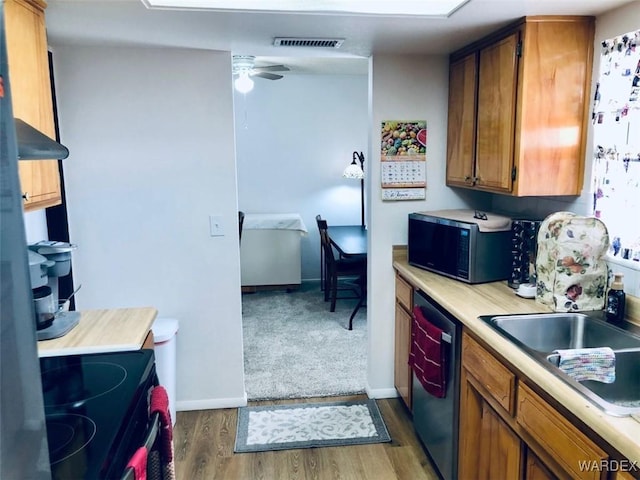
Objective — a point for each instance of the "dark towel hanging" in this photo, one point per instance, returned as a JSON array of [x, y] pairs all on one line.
[[428, 355]]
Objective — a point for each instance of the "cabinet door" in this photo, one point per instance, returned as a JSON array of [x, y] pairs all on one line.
[[404, 293], [489, 449], [461, 129], [536, 470], [497, 86], [553, 107], [402, 371], [561, 439], [497, 380], [31, 95]]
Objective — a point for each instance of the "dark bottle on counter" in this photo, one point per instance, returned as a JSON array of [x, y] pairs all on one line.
[[616, 300]]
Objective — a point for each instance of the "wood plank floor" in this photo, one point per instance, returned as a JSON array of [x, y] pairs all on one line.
[[204, 442]]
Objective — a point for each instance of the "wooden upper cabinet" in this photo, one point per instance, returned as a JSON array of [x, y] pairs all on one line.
[[31, 95], [461, 129], [497, 84], [533, 86], [555, 91]]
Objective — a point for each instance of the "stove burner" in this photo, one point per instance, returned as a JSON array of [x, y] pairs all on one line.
[[74, 384], [67, 434]]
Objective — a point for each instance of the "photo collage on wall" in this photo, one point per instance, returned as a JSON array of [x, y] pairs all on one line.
[[616, 163]]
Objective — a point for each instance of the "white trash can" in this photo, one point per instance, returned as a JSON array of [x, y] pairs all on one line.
[[164, 339]]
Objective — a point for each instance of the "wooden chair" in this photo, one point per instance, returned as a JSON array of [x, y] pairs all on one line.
[[362, 283], [337, 268], [322, 223]]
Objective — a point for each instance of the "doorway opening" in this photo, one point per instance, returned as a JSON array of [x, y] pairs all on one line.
[[294, 137]]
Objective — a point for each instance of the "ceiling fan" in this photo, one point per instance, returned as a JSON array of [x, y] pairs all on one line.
[[244, 67]]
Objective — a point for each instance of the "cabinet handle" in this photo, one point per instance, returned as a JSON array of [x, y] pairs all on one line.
[[25, 196]]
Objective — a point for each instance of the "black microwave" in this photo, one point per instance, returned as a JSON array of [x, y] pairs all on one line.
[[462, 244]]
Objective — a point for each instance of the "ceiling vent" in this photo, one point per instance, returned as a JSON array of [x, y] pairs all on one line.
[[308, 42]]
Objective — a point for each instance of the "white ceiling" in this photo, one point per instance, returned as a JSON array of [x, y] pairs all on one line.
[[129, 22]]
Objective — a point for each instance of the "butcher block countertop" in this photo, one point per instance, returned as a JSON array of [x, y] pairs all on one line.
[[468, 302], [112, 330]]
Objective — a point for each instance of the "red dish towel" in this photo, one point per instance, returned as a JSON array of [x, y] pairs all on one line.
[[138, 464], [160, 404], [427, 357]]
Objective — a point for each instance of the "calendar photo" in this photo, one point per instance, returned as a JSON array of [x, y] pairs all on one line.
[[403, 157]]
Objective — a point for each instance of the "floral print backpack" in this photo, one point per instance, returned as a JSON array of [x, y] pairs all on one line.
[[571, 270]]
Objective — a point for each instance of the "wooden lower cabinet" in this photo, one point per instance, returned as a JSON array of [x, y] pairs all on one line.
[[148, 341], [624, 475], [403, 379], [489, 448], [495, 379], [524, 439], [402, 375], [535, 469], [566, 444]]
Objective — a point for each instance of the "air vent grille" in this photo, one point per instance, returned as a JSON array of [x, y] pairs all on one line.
[[308, 42]]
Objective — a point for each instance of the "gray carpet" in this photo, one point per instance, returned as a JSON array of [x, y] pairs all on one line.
[[295, 348]]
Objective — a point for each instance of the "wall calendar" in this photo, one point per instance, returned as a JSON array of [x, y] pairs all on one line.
[[403, 158]]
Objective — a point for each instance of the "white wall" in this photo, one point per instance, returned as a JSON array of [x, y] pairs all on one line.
[[35, 225], [402, 88], [294, 138], [152, 156]]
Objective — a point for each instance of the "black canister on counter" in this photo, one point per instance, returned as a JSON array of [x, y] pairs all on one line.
[[524, 233], [616, 300]]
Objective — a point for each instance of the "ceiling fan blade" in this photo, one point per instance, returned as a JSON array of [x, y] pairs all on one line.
[[271, 68], [270, 76]]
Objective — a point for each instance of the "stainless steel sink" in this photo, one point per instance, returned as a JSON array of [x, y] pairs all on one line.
[[548, 332], [540, 334]]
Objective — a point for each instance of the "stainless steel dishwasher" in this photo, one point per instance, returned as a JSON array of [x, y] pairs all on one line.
[[436, 419]]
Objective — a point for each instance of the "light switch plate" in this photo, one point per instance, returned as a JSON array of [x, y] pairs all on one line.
[[215, 226]]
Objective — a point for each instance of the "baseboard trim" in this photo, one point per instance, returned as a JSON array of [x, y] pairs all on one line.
[[381, 392], [211, 404], [289, 287], [216, 403]]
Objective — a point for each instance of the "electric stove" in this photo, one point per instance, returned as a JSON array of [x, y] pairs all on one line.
[[96, 410]]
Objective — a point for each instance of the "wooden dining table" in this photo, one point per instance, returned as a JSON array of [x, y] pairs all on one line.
[[351, 241]]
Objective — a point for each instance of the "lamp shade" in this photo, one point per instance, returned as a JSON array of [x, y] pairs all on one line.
[[353, 171]]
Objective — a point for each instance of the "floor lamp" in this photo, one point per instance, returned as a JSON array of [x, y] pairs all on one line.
[[356, 171]]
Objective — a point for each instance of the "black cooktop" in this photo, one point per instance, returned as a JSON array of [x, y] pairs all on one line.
[[96, 409]]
